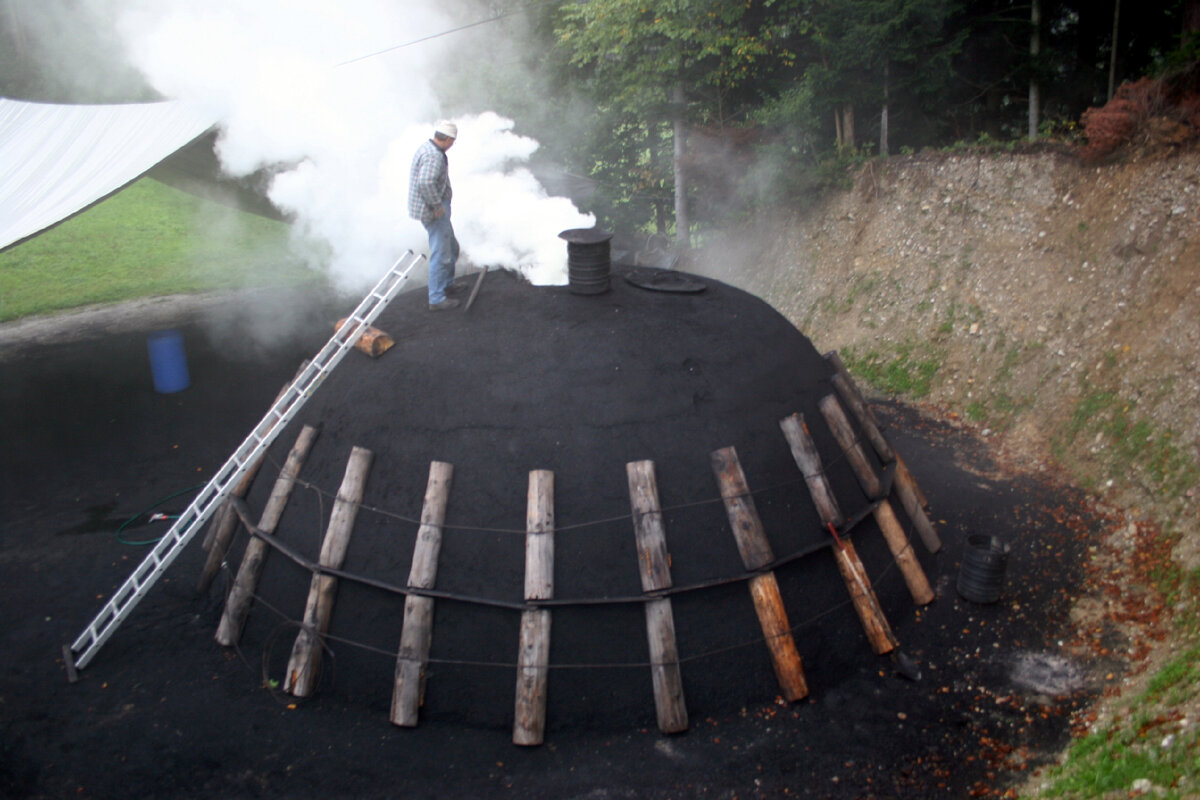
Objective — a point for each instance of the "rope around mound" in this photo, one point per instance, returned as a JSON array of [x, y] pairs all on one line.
[[286, 621], [309, 565]]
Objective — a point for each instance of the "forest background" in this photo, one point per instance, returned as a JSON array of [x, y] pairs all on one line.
[[679, 116]]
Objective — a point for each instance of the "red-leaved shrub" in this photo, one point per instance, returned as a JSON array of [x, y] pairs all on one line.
[[1165, 112], [1107, 128]]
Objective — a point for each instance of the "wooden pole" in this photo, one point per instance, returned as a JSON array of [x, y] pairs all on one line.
[[854, 575], [910, 497], [804, 452], [529, 725], [902, 552], [220, 531], [856, 454], [764, 589], [237, 605], [858, 406], [655, 570], [416, 635], [893, 533], [866, 604], [305, 663], [844, 383], [905, 485]]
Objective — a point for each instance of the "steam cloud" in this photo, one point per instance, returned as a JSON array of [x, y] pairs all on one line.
[[291, 86]]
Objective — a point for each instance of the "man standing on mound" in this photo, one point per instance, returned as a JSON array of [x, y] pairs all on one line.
[[429, 201]]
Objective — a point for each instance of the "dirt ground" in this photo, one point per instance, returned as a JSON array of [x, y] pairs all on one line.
[[162, 711]]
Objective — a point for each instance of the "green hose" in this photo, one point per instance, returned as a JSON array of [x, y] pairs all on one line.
[[130, 521]]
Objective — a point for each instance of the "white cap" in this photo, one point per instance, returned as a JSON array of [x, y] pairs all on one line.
[[446, 128]]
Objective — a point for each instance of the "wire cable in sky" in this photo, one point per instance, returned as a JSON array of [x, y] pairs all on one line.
[[435, 35]]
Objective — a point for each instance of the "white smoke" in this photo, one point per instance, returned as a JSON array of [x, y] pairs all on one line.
[[296, 87]]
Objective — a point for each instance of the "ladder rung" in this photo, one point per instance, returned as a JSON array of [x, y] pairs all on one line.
[[130, 593]]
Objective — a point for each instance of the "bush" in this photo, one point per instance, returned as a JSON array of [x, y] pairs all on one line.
[[1112, 125], [1161, 111]]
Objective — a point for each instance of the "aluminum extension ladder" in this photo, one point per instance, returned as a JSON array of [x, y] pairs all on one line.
[[214, 493]]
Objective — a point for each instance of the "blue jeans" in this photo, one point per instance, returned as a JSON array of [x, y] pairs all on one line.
[[443, 255]]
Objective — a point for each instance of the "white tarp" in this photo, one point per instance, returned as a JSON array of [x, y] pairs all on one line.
[[58, 159]]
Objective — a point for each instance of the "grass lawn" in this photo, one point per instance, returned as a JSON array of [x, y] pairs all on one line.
[[147, 240]]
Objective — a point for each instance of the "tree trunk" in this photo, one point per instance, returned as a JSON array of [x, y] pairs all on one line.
[[1112, 61], [682, 224], [1035, 48], [653, 145], [847, 125], [1191, 19], [883, 117]]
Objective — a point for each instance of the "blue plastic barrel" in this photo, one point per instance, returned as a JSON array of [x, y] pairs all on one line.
[[168, 361]]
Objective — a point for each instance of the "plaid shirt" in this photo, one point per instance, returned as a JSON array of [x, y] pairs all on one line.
[[428, 182]]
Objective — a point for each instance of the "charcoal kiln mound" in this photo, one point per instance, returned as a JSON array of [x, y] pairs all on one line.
[[541, 378]]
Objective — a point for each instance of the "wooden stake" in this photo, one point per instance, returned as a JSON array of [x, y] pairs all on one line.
[[220, 531], [874, 623], [902, 552], [804, 452], [305, 663], [237, 605], [856, 454], [910, 497], [854, 575], [858, 406], [906, 487], [529, 725], [764, 589], [655, 570], [416, 635], [835, 361], [739, 506]]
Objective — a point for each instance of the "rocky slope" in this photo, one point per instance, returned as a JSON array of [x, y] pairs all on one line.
[[1052, 304], [1054, 307]]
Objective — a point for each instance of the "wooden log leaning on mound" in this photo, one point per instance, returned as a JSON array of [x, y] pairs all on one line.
[[885, 517], [220, 530], [654, 566], [533, 652], [237, 604], [764, 588], [416, 635], [905, 485], [854, 574], [305, 663], [373, 341]]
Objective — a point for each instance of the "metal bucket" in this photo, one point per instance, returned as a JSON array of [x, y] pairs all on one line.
[[981, 576], [168, 363], [589, 260]]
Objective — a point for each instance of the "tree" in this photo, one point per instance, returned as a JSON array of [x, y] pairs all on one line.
[[1035, 50], [874, 52], [671, 62]]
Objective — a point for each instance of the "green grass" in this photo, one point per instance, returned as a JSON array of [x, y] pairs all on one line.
[[1153, 734], [1131, 442], [1147, 742], [147, 240], [907, 371]]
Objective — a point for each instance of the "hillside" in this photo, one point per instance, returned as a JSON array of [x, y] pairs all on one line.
[[1053, 308], [1052, 305]]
